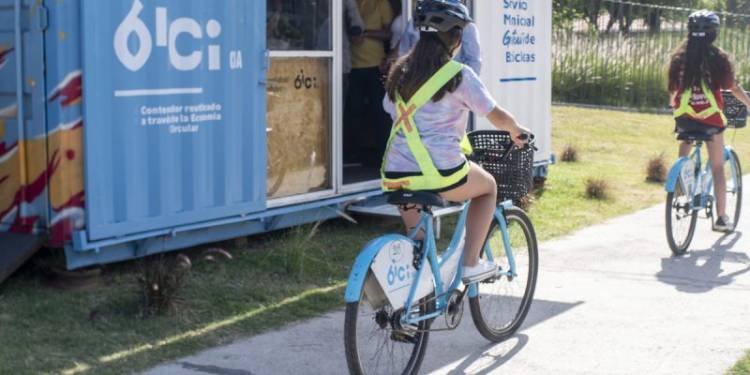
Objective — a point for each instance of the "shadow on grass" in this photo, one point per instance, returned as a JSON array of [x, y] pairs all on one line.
[[139, 353], [701, 271]]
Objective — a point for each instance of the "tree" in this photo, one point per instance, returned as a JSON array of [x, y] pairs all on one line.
[[567, 11]]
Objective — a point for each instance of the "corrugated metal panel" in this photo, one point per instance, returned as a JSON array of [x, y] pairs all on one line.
[[64, 120], [24, 168], [174, 103]]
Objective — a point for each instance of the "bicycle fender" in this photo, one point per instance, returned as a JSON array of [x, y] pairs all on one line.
[[674, 174], [362, 265]]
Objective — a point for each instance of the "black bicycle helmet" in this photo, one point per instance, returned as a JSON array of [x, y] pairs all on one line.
[[702, 22], [441, 15]]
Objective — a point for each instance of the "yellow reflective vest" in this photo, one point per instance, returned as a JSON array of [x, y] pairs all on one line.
[[686, 109], [431, 179]]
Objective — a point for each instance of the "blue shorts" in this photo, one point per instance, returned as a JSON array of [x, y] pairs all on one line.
[[686, 124]]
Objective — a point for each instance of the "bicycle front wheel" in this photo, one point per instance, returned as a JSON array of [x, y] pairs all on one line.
[[501, 305], [733, 175], [376, 343], [681, 219]]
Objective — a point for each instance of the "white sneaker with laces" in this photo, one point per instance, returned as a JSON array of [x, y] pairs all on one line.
[[481, 271]]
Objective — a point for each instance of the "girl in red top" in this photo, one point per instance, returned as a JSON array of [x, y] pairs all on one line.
[[700, 70]]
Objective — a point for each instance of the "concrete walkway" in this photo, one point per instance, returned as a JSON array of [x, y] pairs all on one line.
[[610, 300]]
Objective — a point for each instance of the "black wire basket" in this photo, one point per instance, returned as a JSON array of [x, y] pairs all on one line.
[[512, 169], [734, 110]]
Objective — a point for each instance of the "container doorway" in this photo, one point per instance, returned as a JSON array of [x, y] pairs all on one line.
[[371, 34]]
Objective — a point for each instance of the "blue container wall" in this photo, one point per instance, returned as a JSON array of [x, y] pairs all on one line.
[[65, 122], [174, 105], [24, 167]]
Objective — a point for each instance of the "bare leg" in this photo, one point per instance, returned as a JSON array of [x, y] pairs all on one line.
[[411, 220], [685, 147], [716, 158], [482, 191]]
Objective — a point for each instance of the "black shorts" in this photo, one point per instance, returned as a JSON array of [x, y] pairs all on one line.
[[443, 172], [688, 125]]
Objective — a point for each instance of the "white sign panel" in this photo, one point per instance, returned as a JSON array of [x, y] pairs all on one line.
[[393, 267], [517, 62]]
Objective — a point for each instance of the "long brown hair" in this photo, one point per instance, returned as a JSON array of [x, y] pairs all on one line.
[[698, 60], [413, 70]]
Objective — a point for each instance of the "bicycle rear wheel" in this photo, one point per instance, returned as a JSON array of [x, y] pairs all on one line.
[[376, 343], [733, 175], [680, 219], [502, 304]]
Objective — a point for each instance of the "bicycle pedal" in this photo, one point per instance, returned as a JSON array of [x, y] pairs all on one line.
[[404, 336]]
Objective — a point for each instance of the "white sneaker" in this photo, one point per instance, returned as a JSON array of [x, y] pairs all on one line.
[[481, 271], [723, 224]]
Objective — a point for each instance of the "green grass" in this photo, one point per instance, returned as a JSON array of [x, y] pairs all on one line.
[[287, 276], [613, 146], [742, 367]]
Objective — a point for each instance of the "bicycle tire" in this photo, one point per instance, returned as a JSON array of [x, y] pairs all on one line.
[[679, 248], [737, 198], [480, 312], [353, 350]]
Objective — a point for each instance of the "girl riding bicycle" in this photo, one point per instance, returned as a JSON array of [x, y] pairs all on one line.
[[698, 71], [429, 97]]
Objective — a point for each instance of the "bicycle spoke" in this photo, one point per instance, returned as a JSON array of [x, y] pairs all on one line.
[[503, 302], [381, 345], [681, 218]]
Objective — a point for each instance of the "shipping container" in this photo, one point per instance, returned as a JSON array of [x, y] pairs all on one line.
[[134, 127]]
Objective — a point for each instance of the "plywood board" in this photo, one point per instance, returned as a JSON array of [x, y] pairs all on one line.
[[299, 126]]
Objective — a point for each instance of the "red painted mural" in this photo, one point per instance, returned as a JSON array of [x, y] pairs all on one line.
[[46, 167]]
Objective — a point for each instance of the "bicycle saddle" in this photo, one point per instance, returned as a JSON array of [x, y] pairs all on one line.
[[694, 136], [401, 197]]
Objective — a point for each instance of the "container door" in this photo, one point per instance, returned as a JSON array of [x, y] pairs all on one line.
[[174, 94], [24, 169]]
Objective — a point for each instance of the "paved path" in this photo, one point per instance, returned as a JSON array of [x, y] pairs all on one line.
[[610, 300]]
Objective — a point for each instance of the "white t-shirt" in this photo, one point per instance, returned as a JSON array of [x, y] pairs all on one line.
[[397, 31], [441, 125]]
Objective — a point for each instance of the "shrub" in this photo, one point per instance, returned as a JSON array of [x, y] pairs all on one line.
[[161, 283], [524, 202], [597, 189], [570, 154], [656, 170]]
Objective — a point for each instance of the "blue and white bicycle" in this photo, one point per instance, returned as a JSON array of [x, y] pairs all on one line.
[[399, 287], [690, 187]]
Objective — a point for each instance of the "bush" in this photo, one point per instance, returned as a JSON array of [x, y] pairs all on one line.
[[569, 154], [656, 170], [524, 202], [597, 189], [162, 280]]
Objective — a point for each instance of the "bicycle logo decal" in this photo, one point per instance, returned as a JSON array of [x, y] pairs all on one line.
[[398, 271]]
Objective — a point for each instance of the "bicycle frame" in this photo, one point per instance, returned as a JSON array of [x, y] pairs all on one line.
[[429, 255], [702, 177]]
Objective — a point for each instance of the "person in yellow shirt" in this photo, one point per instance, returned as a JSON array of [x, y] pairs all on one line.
[[366, 127]]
